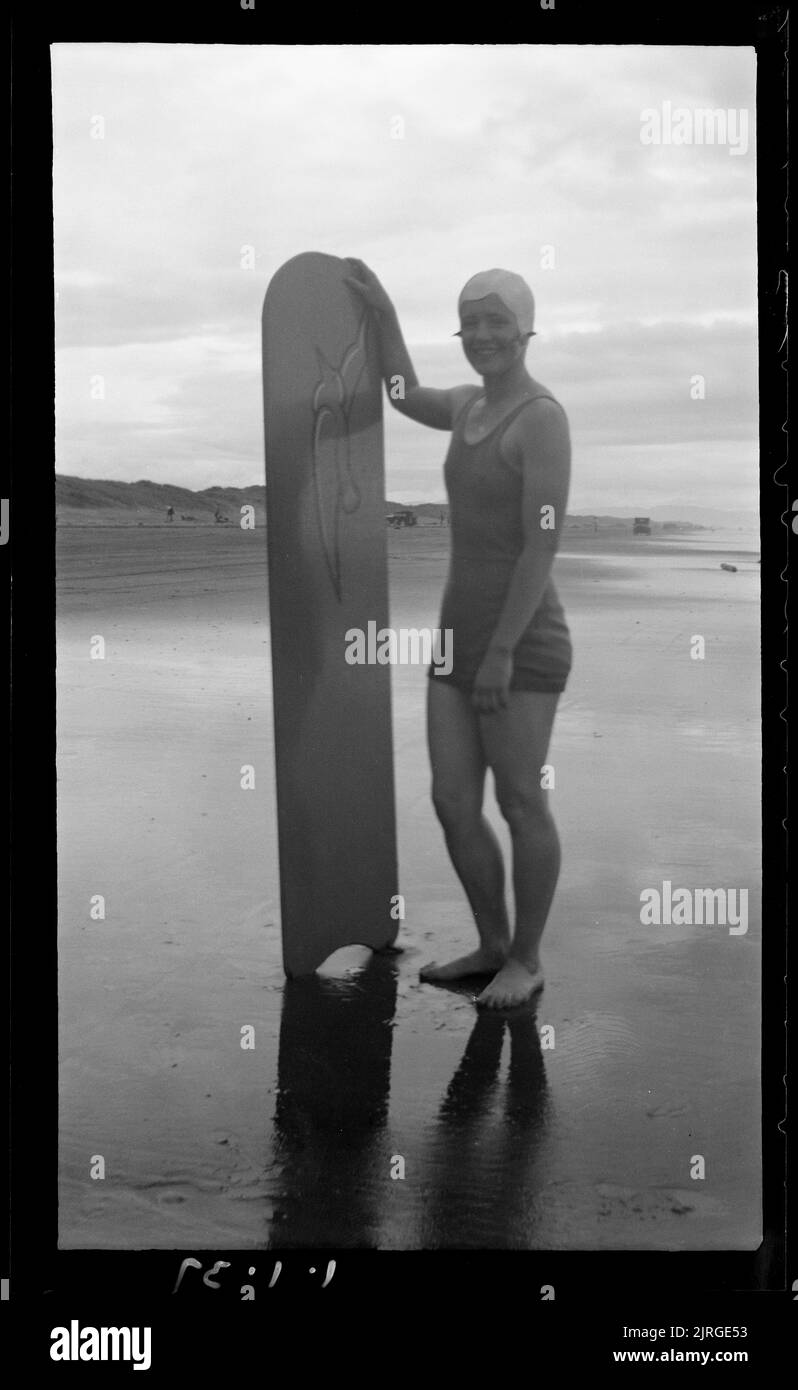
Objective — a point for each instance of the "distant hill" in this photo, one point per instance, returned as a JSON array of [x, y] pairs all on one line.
[[83, 493], [99, 501], [87, 501]]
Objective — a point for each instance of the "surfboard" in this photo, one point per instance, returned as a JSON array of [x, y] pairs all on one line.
[[328, 575]]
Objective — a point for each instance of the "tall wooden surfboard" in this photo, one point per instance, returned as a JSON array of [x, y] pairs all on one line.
[[325, 508]]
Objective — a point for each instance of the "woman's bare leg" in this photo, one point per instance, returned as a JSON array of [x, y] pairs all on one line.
[[516, 741], [458, 786]]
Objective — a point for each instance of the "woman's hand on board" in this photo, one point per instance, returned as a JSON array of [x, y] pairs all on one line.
[[492, 681], [365, 283]]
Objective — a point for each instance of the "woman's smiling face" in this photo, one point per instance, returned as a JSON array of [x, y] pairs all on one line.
[[489, 331]]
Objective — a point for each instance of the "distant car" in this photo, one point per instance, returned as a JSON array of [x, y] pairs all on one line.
[[405, 518], [642, 526]]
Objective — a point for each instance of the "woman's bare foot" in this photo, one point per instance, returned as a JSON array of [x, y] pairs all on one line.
[[484, 961], [514, 984]]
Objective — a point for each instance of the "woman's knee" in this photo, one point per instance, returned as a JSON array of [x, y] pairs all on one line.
[[524, 807], [456, 806]]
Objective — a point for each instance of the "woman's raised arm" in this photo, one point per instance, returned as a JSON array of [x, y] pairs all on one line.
[[422, 403]]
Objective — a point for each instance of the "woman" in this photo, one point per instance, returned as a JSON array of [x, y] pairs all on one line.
[[507, 474]]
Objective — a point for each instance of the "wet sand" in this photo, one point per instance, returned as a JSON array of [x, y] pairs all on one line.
[[507, 1142]]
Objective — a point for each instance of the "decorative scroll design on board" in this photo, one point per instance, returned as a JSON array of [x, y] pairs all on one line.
[[334, 486]]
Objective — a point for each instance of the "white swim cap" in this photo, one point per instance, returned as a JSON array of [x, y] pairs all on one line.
[[513, 291]]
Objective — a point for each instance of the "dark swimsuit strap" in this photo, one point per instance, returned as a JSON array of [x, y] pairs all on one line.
[[541, 396], [465, 405]]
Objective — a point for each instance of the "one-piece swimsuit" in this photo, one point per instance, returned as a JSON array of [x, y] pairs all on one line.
[[487, 537]]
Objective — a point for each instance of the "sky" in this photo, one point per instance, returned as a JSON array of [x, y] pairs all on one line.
[[429, 162]]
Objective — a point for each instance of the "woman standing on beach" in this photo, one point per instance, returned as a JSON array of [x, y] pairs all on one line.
[[507, 474]]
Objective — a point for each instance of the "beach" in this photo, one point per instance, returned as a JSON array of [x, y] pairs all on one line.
[[571, 1124]]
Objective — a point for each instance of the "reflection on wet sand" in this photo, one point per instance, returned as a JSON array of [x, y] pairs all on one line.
[[484, 1154], [333, 1079], [332, 1150]]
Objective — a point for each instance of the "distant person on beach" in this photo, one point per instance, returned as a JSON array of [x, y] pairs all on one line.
[[170, 513], [507, 474]]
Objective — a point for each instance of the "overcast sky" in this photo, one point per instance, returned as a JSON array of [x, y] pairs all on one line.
[[506, 150]]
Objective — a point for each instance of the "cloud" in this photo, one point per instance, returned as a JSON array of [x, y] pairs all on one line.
[[504, 150]]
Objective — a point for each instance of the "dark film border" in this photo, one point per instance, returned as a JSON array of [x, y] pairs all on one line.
[[603, 1289]]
